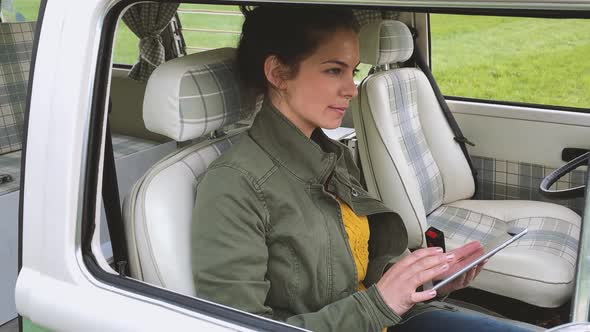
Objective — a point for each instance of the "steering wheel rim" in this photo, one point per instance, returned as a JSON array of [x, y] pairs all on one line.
[[557, 174]]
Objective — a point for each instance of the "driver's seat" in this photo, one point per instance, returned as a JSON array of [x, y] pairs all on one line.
[[412, 163]]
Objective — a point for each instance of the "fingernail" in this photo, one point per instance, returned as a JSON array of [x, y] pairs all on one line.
[[439, 249], [486, 260], [444, 267], [450, 257], [432, 293]]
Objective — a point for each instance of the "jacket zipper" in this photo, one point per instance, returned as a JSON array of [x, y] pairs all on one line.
[[343, 232]]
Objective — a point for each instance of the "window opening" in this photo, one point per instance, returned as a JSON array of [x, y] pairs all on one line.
[[19, 10], [513, 59], [205, 27]]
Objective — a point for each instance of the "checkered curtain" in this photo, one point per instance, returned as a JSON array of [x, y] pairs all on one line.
[[147, 21]]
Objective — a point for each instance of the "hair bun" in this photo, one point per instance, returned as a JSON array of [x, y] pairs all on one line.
[[290, 33]]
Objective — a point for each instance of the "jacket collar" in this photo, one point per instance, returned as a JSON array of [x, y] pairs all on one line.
[[311, 160]]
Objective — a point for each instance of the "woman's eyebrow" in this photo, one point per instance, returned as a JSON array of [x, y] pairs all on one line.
[[341, 63]]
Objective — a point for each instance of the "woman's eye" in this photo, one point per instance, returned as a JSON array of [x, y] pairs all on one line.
[[334, 71], [354, 72]]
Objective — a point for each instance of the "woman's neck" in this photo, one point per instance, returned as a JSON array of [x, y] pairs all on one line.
[[282, 105]]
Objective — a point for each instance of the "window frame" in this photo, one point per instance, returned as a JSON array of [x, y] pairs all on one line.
[[21, 194], [91, 176], [90, 192]]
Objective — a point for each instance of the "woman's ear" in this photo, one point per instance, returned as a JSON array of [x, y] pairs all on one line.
[[274, 72]]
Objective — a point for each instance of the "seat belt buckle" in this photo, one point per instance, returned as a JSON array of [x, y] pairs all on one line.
[[5, 178], [435, 238], [463, 140]]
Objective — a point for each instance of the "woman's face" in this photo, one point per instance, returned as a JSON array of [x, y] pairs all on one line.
[[319, 94]]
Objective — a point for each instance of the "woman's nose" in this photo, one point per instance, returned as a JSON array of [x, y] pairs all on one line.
[[350, 91]]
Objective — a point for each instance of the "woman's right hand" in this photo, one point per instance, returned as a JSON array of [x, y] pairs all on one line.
[[398, 285]]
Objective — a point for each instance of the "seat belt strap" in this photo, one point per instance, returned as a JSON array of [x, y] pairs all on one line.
[[112, 206], [459, 138]]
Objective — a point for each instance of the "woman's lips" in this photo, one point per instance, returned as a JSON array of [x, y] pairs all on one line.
[[338, 109]]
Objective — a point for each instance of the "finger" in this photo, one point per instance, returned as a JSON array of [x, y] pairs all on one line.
[[422, 296], [467, 249], [456, 266], [460, 281], [479, 268], [418, 279], [461, 263], [453, 285], [416, 256], [414, 263], [470, 276], [427, 263]]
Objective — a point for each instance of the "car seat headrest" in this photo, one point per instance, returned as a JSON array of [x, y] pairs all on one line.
[[385, 42], [192, 96]]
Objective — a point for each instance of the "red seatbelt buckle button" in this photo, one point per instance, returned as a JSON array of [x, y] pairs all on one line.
[[435, 238]]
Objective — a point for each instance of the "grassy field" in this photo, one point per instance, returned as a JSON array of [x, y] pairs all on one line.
[[542, 61], [530, 60], [125, 38]]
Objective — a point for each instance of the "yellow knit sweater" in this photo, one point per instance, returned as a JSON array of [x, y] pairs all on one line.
[[357, 229]]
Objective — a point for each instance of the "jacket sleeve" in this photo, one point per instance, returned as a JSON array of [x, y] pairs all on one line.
[[230, 257]]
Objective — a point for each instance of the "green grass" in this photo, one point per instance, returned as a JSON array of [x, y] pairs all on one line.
[[210, 40], [125, 38], [531, 60], [29, 326], [25, 10], [126, 49]]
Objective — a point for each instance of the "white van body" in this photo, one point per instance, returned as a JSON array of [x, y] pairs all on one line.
[[55, 289]]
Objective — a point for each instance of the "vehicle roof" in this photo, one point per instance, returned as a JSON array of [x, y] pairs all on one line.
[[573, 5]]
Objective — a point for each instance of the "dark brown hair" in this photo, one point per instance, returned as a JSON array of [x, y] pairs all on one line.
[[290, 33]]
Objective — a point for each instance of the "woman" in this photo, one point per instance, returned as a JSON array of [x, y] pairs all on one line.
[[282, 226]]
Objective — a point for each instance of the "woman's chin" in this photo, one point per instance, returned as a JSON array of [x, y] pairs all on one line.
[[333, 124]]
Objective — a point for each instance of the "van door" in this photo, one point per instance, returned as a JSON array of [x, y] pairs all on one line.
[[65, 281], [17, 31]]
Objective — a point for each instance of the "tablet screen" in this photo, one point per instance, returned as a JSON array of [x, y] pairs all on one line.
[[490, 248]]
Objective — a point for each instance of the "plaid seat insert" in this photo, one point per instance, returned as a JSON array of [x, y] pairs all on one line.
[[403, 104], [555, 236], [16, 44], [122, 146]]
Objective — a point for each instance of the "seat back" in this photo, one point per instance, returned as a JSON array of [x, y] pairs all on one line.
[[16, 45], [185, 99], [407, 150]]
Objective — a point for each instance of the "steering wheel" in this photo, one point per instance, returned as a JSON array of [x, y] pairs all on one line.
[[557, 174]]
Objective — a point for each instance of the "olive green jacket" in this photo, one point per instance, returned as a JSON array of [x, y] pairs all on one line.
[[268, 236]]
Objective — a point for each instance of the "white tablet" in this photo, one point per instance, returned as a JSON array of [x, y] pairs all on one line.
[[492, 247]]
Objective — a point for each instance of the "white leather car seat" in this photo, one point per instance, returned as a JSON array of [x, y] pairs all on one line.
[[186, 98], [412, 163]]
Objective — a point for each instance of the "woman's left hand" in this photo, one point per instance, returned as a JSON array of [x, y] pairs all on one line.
[[463, 256]]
